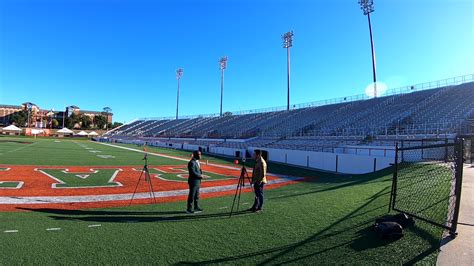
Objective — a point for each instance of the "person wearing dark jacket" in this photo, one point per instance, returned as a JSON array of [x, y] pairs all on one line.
[[194, 182]]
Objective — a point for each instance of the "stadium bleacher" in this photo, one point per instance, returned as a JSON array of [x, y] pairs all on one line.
[[434, 112]]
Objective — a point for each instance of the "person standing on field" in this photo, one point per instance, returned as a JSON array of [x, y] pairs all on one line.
[[194, 182], [259, 179]]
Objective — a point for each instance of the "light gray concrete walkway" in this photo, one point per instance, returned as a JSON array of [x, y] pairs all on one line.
[[460, 251]]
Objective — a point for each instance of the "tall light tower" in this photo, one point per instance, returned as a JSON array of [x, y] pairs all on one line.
[[287, 43], [64, 115], [28, 107], [223, 66], [367, 7], [179, 74]]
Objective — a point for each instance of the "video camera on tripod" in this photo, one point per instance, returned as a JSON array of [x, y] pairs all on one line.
[[147, 179], [240, 184]]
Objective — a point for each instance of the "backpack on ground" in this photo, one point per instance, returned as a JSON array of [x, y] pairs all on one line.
[[402, 219], [388, 230]]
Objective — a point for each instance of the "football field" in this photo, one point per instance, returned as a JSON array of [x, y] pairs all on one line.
[[66, 201]]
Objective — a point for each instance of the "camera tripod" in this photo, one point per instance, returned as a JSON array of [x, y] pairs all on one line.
[[146, 173], [240, 184]]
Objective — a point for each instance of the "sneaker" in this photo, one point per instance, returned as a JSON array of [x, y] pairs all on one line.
[[258, 210], [189, 211], [198, 210]]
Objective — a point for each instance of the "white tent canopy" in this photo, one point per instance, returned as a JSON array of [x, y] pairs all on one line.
[[11, 128], [93, 133], [82, 133], [65, 131]]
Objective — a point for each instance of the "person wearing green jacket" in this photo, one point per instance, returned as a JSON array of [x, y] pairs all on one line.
[[194, 182]]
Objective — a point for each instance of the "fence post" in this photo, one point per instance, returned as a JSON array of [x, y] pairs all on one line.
[[391, 205], [457, 192]]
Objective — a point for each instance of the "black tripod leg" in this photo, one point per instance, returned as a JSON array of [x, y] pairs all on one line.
[[150, 186], [235, 196], [152, 189], [240, 191], [136, 187]]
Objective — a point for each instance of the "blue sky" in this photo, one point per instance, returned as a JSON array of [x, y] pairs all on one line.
[[124, 54]]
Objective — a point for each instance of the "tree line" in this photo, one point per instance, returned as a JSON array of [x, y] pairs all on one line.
[[77, 121]]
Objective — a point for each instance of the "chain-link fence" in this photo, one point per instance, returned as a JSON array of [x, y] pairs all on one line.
[[427, 182]]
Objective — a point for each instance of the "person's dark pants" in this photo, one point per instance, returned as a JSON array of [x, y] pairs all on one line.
[[193, 196], [258, 203]]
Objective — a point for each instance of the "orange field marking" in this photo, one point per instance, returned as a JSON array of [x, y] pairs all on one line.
[[38, 185]]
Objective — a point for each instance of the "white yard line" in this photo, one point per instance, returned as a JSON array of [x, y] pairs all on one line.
[[94, 225], [19, 148]]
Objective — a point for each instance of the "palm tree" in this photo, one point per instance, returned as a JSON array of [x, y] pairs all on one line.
[[107, 111]]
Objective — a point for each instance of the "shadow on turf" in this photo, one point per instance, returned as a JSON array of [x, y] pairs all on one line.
[[340, 232], [283, 251], [434, 245], [345, 180], [131, 216], [367, 240]]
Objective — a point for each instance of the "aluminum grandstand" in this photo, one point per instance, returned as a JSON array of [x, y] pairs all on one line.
[[355, 125], [441, 110]]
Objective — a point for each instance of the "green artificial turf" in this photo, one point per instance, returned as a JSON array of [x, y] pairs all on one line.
[[98, 178], [8, 184], [325, 220], [68, 152]]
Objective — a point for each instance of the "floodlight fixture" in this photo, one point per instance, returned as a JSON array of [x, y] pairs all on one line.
[[367, 6], [179, 73], [287, 39], [223, 62]]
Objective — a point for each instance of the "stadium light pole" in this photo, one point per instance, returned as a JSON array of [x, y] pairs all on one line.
[[64, 114], [367, 7], [107, 111], [28, 107], [223, 66], [179, 74], [287, 43]]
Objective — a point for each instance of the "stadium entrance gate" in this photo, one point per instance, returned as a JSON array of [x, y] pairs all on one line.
[[427, 181]]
